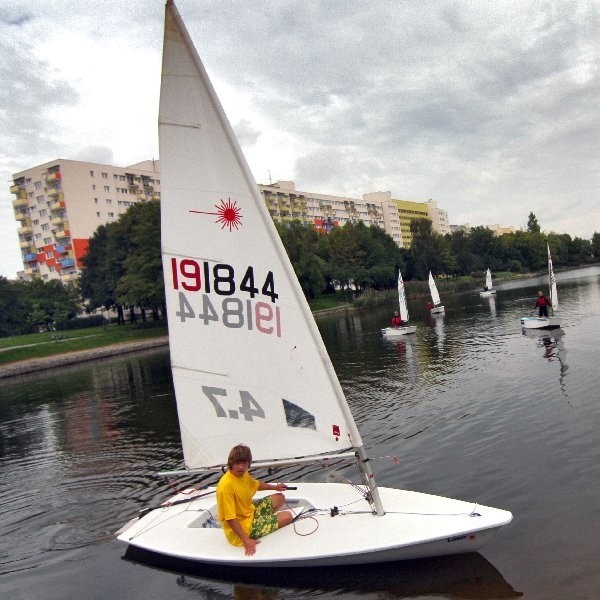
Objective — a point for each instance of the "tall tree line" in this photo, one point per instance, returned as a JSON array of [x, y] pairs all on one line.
[[123, 265]]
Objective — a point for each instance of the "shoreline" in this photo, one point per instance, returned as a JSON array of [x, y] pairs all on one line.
[[33, 365]]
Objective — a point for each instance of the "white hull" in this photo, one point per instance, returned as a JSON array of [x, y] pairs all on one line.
[[394, 332], [540, 322], [487, 293], [438, 310], [415, 526]]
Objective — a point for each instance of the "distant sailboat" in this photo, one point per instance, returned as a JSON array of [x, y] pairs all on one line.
[[435, 297], [249, 366], [489, 285], [553, 321], [393, 332]]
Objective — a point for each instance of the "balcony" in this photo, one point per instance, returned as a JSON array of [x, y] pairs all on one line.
[[53, 191], [58, 249], [16, 188], [60, 205], [68, 276], [29, 257], [26, 245], [52, 177], [20, 202], [58, 220], [62, 234], [21, 216], [65, 263], [25, 230]]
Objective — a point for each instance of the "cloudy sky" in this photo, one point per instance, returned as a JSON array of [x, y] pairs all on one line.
[[490, 108]]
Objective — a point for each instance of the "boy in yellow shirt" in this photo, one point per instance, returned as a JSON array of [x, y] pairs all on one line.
[[244, 521]]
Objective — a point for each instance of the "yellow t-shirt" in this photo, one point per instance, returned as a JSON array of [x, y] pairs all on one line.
[[234, 501]]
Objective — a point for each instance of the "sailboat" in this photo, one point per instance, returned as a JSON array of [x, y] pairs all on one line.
[[552, 321], [435, 297], [488, 289], [394, 332], [249, 366]]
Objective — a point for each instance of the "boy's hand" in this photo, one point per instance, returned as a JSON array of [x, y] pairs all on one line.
[[250, 546]]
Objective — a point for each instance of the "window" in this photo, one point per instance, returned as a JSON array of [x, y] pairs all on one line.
[[36, 222], [45, 227], [37, 185], [93, 186], [95, 200], [43, 212], [47, 241], [49, 254], [107, 188], [108, 201], [98, 214], [104, 175], [91, 173], [40, 199], [37, 236], [110, 214], [51, 268]]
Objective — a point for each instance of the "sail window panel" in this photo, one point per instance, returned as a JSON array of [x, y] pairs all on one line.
[[296, 416]]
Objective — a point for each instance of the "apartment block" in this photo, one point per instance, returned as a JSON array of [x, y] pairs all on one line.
[[325, 212], [60, 204]]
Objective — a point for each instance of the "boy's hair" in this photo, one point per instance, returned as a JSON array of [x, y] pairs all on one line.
[[239, 454]]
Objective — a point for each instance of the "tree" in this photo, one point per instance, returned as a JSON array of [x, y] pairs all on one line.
[[426, 250], [532, 224], [300, 242], [596, 245], [123, 265]]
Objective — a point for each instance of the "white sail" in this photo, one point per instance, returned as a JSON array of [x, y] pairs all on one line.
[[488, 279], [435, 296], [246, 355], [552, 284], [402, 299]]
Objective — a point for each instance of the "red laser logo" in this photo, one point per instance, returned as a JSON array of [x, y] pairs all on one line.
[[228, 214]]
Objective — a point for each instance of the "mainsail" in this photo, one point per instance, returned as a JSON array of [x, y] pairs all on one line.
[[488, 280], [435, 296], [552, 283], [402, 299], [248, 362]]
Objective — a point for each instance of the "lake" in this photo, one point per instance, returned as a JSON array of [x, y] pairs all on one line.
[[468, 407]]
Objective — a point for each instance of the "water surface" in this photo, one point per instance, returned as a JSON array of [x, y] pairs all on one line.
[[468, 407]]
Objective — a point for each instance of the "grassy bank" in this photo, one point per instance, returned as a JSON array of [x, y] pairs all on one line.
[[39, 345]]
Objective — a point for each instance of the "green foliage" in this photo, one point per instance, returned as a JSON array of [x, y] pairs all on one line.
[[123, 266], [532, 224]]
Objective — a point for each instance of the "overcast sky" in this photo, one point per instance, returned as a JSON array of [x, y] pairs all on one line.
[[490, 108]]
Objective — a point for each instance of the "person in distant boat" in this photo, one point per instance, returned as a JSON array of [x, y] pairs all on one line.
[[245, 520], [396, 320], [542, 303]]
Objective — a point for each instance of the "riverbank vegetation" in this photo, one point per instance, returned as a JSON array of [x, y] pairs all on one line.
[[122, 270], [51, 343]]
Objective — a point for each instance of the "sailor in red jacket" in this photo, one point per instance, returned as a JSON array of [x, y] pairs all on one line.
[[542, 303], [396, 320]]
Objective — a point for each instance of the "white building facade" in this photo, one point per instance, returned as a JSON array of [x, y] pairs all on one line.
[[60, 204]]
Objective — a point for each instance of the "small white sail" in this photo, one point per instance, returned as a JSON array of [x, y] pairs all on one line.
[[488, 280], [552, 284], [246, 355], [435, 296], [402, 299]]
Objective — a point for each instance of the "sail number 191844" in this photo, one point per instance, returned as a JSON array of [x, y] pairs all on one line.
[[214, 296]]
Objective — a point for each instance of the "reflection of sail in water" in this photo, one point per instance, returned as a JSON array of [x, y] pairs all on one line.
[[492, 301], [554, 350], [439, 330]]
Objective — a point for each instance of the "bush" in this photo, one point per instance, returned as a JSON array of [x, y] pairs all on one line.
[[81, 323]]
